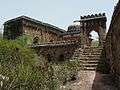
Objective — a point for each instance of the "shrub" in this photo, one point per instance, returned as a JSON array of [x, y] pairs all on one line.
[[64, 72], [23, 40], [19, 69], [19, 65]]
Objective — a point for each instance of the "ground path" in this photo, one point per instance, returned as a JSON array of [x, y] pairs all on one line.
[[91, 80]]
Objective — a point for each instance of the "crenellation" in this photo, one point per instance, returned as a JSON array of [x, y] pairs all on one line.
[[95, 16]]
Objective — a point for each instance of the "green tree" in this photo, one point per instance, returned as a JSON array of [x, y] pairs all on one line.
[[24, 40], [1, 35]]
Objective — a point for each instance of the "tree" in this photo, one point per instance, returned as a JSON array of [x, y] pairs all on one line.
[[18, 64], [23, 40], [1, 35]]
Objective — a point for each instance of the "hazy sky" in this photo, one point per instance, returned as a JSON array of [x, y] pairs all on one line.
[[60, 13]]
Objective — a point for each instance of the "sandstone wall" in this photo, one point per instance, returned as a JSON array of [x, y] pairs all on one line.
[[112, 44], [44, 34], [56, 52]]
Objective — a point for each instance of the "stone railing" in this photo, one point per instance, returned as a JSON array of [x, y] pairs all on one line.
[[56, 43]]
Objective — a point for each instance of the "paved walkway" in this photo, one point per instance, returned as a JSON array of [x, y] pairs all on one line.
[[91, 80]]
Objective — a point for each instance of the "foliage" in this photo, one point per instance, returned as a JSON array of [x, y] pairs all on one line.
[[23, 40], [16, 62], [66, 70], [95, 43], [1, 35], [19, 65]]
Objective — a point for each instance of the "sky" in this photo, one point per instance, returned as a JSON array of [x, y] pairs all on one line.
[[60, 13]]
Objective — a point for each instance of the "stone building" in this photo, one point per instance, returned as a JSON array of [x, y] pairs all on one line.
[[39, 32], [73, 32], [113, 44], [42, 32]]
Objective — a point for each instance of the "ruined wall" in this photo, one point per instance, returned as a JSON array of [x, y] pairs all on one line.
[[43, 33], [113, 44], [56, 52]]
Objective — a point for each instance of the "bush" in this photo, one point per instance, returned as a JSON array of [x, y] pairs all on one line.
[[95, 43], [18, 64], [14, 61], [1, 34], [23, 40], [66, 71], [19, 69]]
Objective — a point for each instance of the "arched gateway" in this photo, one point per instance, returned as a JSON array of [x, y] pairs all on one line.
[[91, 23]]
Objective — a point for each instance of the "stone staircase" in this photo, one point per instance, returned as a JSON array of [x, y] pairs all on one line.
[[90, 57]]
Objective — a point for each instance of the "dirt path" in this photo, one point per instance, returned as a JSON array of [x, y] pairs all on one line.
[[91, 80]]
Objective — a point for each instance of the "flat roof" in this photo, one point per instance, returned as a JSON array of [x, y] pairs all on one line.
[[37, 22]]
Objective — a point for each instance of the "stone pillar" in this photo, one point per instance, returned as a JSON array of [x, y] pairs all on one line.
[[83, 35], [102, 35]]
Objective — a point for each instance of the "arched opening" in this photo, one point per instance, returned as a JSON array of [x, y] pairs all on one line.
[[36, 40], [94, 39], [49, 58], [61, 57], [51, 40]]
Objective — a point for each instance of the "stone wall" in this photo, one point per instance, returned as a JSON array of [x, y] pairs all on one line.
[[38, 31], [91, 23], [59, 51], [43, 33], [112, 44], [12, 30]]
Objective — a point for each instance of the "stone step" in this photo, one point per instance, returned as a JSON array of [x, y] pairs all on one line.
[[92, 51], [89, 68], [91, 54], [90, 62], [90, 57], [93, 48], [90, 65]]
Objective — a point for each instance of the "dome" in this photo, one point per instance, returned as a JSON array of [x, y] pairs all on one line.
[[74, 27]]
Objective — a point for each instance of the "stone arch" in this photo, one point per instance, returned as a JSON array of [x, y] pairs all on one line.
[[99, 30], [95, 23], [61, 57], [36, 40]]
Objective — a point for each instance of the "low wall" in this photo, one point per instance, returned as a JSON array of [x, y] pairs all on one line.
[[57, 51]]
